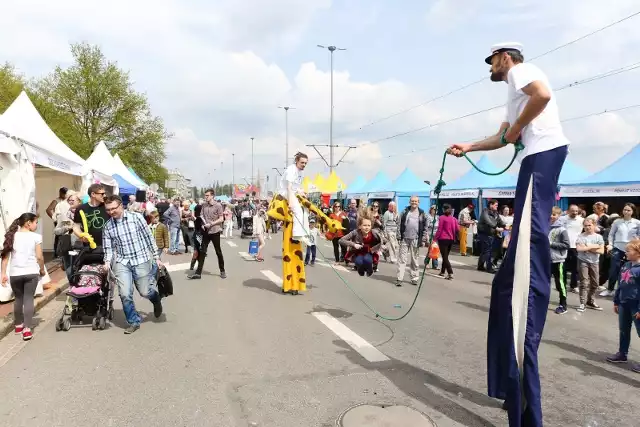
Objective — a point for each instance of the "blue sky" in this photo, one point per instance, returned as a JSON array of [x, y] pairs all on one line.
[[217, 70]]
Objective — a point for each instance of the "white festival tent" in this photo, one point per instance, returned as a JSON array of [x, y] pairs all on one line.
[[26, 136], [123, 171], [104, 167]]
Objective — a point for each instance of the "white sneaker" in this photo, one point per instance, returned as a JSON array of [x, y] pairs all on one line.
[[601, 288], [575, 290], [606, 293], [581, 308]]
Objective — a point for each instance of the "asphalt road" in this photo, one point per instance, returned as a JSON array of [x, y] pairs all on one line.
[[237, 352]]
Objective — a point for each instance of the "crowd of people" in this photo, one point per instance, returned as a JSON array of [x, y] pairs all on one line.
[[596, 255]]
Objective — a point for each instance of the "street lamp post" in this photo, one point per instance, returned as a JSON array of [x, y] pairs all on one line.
[[286, 134], [331, 163], [233, 172], [252, 160]]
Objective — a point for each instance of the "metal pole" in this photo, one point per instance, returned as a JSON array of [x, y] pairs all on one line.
[[331, 49], [286, 136], [233, 173], [251, 161]]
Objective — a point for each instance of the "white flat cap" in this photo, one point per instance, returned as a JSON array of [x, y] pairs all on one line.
[[503, 47]]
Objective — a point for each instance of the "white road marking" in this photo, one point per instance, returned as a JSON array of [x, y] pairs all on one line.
[[230, 243], [356, 342], [336, 267], [246, 256], [273, 277], [178, 267], [456, 262]]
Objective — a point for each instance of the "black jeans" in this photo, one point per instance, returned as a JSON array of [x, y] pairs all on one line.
[[186, 236], [445, 249], [486, 248], [571, 266], [206, 239], [338, 250], [559, 275], [239, 218]]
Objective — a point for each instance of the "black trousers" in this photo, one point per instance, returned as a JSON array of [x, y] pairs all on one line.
[[239, 218], [559, 275], [338, 250], [445, 249], [186, 235], [206, 239], [571, 266]]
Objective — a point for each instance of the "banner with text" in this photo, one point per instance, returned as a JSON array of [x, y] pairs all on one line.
[[621, 190], [243, 190], [495, 193], [457, 194]]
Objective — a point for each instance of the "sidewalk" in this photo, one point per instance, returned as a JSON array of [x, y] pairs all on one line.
[[58, 285]]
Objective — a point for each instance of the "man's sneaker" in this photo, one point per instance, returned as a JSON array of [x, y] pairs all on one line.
[[398, 283], [194, 276], [635, 368], [312, 263], [561, 310], [157, 307], [606, 293], [414, 282], [617, 358], [581, 308], [19, 329], [575, 290], [223, 275], [593, 306], [27, 334], [131, 329], [601, 288]]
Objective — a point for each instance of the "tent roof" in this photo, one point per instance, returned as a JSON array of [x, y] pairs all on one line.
[[123, 186], [123, 171], [379, 183], [616, 172], [333, 184], [135, 175], [23, 121], [101, 161], [318, 181], [408, 182], [356, 185], [475, 179], [570, 174]]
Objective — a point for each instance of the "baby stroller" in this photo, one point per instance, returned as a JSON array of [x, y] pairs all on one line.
[[90, 292], [247, 225]]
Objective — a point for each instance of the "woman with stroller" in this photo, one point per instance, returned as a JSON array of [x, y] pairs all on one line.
[[24, 246]]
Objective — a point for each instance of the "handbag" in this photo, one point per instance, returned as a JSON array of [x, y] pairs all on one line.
[[192, 224], [64, 244]]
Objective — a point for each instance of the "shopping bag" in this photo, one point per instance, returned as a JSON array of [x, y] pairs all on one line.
[[253, 247], [434, 251]]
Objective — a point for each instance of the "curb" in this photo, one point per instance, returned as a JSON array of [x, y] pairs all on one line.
[[39, 304]]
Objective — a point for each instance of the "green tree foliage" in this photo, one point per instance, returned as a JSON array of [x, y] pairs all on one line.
[[11, 84], [93, 100]]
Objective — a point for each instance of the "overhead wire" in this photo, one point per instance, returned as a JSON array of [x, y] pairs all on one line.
[[475, 82], [576, 83]]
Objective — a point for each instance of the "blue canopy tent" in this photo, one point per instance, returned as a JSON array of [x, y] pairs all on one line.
[[379, 184], [137, 177], [354, 188], [223, 198], [407, 184], [468, 185], [616, 180], [124, 186]]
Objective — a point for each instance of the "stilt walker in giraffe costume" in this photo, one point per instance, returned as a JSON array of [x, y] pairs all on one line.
[[292, 208], [520, 290]]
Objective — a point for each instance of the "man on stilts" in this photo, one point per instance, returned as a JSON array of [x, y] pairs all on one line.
[[520, 290]]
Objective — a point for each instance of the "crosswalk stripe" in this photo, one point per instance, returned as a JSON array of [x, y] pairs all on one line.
[[273, 277], [230, 243], [336, 267], [177, 267], [354, 340]]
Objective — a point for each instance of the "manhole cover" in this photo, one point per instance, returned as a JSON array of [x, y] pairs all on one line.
[[384, 416]]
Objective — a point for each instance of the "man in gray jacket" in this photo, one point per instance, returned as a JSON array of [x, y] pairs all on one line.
[[172, 219], [560, 244]]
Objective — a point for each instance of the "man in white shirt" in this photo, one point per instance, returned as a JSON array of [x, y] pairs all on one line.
[[290, 185], [520, 291], [572, 221]]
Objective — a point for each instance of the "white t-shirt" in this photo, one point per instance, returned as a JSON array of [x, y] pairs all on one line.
[[544, 133], [574, 228], [23, 257], [293, 175], [150, 207]]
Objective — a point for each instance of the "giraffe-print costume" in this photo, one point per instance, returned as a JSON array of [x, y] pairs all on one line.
[[293, 275]]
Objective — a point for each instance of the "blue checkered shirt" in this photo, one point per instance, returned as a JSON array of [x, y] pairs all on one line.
[[129, 240]]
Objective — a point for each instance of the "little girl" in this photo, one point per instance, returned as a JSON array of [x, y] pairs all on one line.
[[363, 244], [198, 232], [24, 246], [626, 302]]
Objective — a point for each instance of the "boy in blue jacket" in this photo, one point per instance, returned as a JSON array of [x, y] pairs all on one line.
[[559, 242], [626, 302]]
